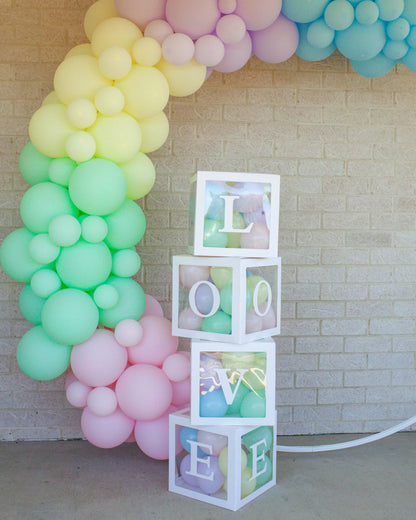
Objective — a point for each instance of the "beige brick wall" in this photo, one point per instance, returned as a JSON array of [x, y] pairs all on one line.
[[344, 146]]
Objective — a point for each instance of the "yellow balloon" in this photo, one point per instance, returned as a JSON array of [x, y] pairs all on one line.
[[81, 113], [140, 176], [51, 98], [114, 31], [145, 90], [248, 483], [114, 62], [147, 51], [83, 48], [118, 138], [183, 80], [78, 77], [49, 129], [109, 101], [80, 146], [155, 131], [97, 13]]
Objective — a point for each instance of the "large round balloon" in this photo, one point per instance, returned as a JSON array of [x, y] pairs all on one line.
[[192, 17], [15, 258], [259, 14], [140, 175], [276, 43], [31, 305], [98, 12], [361, 42], [33, 164], [126, 226], [141, 12], [114, 31], [106, 432], [304, 12], [183, 80]]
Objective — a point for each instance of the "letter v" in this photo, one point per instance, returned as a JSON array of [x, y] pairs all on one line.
[[226, 387]]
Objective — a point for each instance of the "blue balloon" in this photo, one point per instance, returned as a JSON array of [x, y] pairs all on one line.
[[305, 49], [374, 68], [339, 15], [411, 39], [410, 60], [212, 404], [361, 42], [409, 11], [366, 13], [304, 12], [398, 29], [390, 9], [395, 50], [190, 434], [319, 35]]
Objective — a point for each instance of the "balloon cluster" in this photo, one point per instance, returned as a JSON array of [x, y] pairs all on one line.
[[127, 381], [215, 461], [249, 396]]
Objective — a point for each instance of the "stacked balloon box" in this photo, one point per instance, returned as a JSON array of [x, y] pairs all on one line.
[[227, 299]]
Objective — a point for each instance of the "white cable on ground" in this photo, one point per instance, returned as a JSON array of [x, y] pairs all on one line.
[[349, 444]]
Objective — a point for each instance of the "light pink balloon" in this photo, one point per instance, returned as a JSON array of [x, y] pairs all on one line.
[[70, 378], [209, 50], [231, 28], [254, 323], [227, 6], [258, 238], [259, 14], [158, 30], [215, 441], [177, 367], [236, 55], [178, 49], [77, 394], [157, 342], [269, 320], [278, 42], [152, 437], [141, 12], [106, 432], [144, 392], [190, 274], [153, 307], [192, 17], [128, 332], [189, 320], [99, 360], [102, 401], [181, 392]]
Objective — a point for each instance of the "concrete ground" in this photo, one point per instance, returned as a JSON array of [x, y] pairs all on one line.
[[72, 480]]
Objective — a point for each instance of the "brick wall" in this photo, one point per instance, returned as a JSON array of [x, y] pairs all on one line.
[[344, 147]]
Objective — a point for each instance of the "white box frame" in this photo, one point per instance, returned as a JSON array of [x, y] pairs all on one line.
[[233, 500], [268, 347], [198, 248], [239, 265]]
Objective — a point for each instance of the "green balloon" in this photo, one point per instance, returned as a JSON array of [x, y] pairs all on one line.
[[14, 256], [84, 265], [264, 469], [42, 249], [31, 305], [220, 323], [42, 203], [130, 305], [226, 298], [234, 407], [45, 282], [255, 378], [98, 187], [60, 170], [69, 316], [126, 226], [126, 263], [253, 405], [263, 433], [33, 165], [94, 229], [41, 358], [105, 296], [212, 236], [64, 230]]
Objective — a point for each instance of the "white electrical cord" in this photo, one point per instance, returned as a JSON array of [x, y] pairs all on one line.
[[349, 444]]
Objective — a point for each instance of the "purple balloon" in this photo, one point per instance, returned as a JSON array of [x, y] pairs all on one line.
[[184, 468], [213, 471], [276, 43], [192, 17], [204, 299], [236, 55]]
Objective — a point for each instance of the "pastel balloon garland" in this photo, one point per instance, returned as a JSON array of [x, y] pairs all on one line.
[[86, 163]]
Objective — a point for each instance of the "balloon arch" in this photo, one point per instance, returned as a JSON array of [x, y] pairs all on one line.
[[86, 163]]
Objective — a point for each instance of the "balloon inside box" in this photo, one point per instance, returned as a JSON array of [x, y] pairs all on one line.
[[235, 214], [227, 466], [233, 385], [236, 300]]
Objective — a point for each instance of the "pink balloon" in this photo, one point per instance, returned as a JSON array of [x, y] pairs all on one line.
[[102, 401], [128, 332], [178, 49], [177, 367], [259, 14], [189, 320], [141, 12], [106, 432], [236, 55], [144, 392], [70, 378], [157, 342], [258, 238], [254, 323], [227, 6], [152, 308], [158, 30], [192, 17], [181, 392], [190, 274], [278, 42], [152, 437], [269, 319], [77, 394], [209, 50], [99, 360], [231, 28]]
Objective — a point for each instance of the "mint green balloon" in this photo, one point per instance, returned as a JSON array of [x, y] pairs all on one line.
[[253, 405], [42, 203], [264, 469], [212, 236], [41, 358], [234, 407], [14, 256], [64, 230], [42, 249], [31, 305], [69, 316], [84, 265], [126, 226], [126, 263], [33, 165], [259, 434], [220, 323], [130, 305], [45, 282], [98, 187], [94, 229], [105, 296], [60, 170], [226, 298]]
